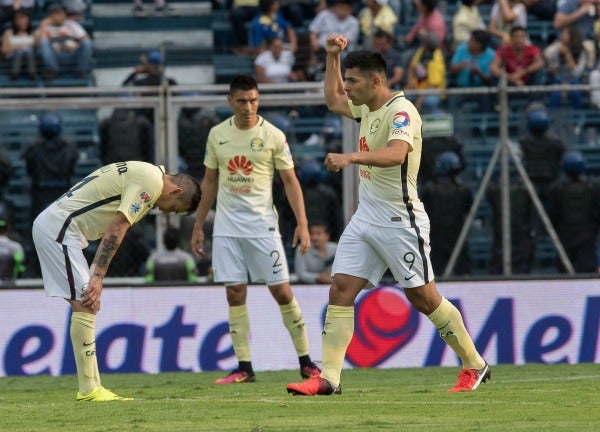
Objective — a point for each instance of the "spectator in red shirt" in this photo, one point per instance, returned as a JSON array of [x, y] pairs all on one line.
[[520, 59]]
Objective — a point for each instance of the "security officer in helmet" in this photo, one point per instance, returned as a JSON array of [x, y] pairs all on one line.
[[434, 146], [574, 209], [50, 163], [542, 149], [447, 201]]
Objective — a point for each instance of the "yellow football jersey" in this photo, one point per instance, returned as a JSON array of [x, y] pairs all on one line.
[[84, 212], [246, 161], [388, 196]]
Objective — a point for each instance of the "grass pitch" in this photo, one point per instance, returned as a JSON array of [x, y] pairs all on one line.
[[518, 398]]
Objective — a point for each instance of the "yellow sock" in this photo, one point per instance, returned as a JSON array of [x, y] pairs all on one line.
[[83, 338], [337, 334], [239, 329], [294, 322], [449, 322]]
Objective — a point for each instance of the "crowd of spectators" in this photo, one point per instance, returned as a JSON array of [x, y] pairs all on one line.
[[431, 44], [46, 41], [436, 45]]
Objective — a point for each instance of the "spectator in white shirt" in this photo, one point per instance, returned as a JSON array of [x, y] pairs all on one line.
[[18, 43], [274, 65], [337, 18]]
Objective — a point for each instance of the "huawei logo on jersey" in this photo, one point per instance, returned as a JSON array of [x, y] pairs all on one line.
[[241, 165]]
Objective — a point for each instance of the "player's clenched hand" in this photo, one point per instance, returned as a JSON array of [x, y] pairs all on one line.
[[90, 296], [336, 161], [197, 242], [336, 43], [301, 235]]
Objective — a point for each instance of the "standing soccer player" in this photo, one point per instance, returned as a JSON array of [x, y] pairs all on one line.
[[242, 155], [390, 227], [103, 206]]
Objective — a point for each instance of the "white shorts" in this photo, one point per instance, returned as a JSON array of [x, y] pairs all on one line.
[[65, 270], [367, 251], [233, 258]]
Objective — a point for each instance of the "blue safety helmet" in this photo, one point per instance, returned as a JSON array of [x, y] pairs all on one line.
[[310, 173], [573, 162], [50, 125], [538, 119], [447, 163]]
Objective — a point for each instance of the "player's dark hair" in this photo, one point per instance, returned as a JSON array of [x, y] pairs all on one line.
[[191, 190], [243, 83], [366, 61]]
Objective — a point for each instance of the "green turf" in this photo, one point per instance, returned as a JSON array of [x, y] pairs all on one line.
[[519, 398]]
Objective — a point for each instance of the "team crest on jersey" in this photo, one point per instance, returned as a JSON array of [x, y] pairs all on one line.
[[240, 165], [257, 144], [401, 119], [374, 126], [145, 197], [135, 207]]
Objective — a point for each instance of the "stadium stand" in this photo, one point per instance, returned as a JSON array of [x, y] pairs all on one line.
[[121, 38], [227, 66], [196, 42], [20, 129], [66, 79], [221, 30]]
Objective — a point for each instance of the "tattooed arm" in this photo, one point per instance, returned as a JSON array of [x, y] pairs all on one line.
[[106, 250]]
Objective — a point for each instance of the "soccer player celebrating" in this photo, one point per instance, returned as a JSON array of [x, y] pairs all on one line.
[[103, 206], [390, 228], [242, 154]]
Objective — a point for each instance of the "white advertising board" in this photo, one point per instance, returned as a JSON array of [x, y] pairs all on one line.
[[151, 330]]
